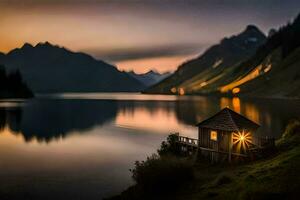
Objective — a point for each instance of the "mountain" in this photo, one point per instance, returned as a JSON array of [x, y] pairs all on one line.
[[150, 78], [12, 85], [191, 76], [49, 68], [274, 71], [2, 56]]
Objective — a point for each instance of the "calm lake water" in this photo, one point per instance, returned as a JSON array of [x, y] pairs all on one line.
[[81, 146]]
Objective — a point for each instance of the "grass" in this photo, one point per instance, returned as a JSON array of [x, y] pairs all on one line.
[[275, 177]]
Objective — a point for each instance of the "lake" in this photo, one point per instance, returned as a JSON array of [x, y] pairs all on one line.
[[81, 146]]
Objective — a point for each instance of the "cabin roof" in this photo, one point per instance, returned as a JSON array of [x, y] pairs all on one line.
[[228, 120]]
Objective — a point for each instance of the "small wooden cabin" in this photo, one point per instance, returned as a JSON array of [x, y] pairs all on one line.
[[226, 135]]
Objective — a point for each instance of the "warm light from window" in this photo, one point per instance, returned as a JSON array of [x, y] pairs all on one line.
[[213, 135], [242, 140]]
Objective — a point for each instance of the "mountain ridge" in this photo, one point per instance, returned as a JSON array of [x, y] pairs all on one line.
[[228, 52], [271, 72], [150, 78], [277, 65], [51, 68]]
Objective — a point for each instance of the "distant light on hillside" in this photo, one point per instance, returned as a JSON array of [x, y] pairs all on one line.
[[181, 91], [173, 90], [236, 90]]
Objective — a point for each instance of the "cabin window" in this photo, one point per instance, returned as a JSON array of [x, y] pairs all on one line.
[[213, 135]]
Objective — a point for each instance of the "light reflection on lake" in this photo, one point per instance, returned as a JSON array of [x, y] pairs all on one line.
[[81, 146]]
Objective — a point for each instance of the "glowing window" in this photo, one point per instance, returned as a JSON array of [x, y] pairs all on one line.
[[213, 135]]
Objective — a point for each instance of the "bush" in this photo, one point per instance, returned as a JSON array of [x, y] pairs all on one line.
[[291, 129], [161, 174], [222, 180], [169, 147], [290, 137]]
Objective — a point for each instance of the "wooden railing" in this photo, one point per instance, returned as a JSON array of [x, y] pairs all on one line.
[[188, 141], [192, 142], [259, 143]]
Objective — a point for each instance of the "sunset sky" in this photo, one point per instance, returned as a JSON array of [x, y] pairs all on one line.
[[136, 34]]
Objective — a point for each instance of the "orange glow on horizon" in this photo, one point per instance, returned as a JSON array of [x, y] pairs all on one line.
[[96, 30], [161, 64], [7, 46]]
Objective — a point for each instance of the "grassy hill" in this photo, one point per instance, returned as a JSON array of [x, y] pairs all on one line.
[[274, 70], [193, 75], [282, 78], [274, 177]]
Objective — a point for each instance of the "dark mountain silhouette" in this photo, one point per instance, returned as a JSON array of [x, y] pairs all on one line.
[[12, 85], [150, 78], [49, 68], [2, 55], [191, 76]]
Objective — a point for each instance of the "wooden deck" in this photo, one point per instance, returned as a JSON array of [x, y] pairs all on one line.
[[188, 141], [193, 143], [191, 146]]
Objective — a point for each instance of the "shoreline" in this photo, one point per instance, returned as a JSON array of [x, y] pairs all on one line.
[[229, 96], [259, 179]]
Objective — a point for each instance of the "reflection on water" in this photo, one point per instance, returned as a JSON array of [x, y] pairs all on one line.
[[76, 146], [45, 120], [152, 117]]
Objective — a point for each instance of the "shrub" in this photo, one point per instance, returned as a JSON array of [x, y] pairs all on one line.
[[161, 174], [290, 137], [169, 147], [222, 180], [292, 129]]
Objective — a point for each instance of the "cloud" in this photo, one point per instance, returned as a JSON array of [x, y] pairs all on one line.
[[124, 54]]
